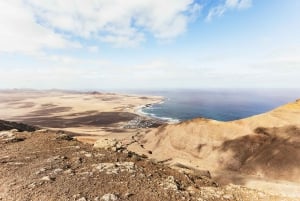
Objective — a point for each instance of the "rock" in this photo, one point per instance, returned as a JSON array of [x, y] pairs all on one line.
[[60, 132], [8, 125], [57, 170], [15, 163], [115, 168], [119, 145], [43, 130], [227, 197], [109, 197], [170, 183], [69, 171], [88, 155], [14, 130], [64, 137], [6, 134], [127, 195], [14, 139], [109, 144], [76, 196], [134, 156], [64, 157], [130, 154], [204, 173], [99, 155], [54, 158], [85, 173], [32, 185], [82, 199], [48, 178], [40, 171], [105, 143], [9, 137], [78, 160]]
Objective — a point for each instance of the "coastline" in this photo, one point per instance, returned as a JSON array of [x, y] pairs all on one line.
[[222, 148], [168, 120], [88, 116], [97, 116]]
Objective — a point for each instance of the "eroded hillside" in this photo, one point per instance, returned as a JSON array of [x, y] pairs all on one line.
[[50, 165]]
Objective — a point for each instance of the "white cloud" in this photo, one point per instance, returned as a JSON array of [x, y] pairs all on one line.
[[116, 21], [216, 11], [219, 10], [20, 33], [30, 26], [238, 4]]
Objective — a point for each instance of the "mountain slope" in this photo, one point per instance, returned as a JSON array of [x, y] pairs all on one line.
[[50, 165], [266, 145]]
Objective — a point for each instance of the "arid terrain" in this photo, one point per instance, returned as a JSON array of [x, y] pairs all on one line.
[[260, 152], [50, 165], [96, 146], [88, 115]]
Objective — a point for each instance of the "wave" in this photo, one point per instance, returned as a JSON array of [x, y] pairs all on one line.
[[152, 115]]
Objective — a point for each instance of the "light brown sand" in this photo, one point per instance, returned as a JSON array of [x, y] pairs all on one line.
[[87, 115]]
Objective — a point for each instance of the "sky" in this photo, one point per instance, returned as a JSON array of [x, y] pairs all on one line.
[[149, 44]]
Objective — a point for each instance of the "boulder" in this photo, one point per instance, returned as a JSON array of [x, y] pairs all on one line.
[[109, 197], [107, 144]]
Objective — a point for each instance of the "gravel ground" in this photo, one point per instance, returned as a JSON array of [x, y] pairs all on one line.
[[49, 165]]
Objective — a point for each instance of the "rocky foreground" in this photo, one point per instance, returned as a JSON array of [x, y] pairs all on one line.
[[50, 165]]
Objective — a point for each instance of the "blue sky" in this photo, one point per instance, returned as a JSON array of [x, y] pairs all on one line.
[[146, 44]]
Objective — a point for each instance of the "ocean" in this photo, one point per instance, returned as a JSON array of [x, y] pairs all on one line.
[[222, 105]]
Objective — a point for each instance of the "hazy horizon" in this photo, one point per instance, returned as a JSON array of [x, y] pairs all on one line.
[[149, 44]]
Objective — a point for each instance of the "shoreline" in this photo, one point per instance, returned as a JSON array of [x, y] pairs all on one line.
[[96, 116], [88, 115], [139, 111]]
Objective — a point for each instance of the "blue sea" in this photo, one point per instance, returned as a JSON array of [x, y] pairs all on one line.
[[218, 104]]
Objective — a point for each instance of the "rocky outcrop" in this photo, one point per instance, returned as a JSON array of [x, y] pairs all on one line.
[[108, 144], [8, 125], [10, 137]]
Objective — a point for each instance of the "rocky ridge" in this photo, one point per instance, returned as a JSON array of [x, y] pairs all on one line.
[[50, 165]]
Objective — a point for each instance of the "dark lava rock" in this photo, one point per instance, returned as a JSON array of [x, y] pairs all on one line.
[[7, 125]]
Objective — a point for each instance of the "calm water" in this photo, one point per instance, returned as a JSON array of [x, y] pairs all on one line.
[[224, 105]]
